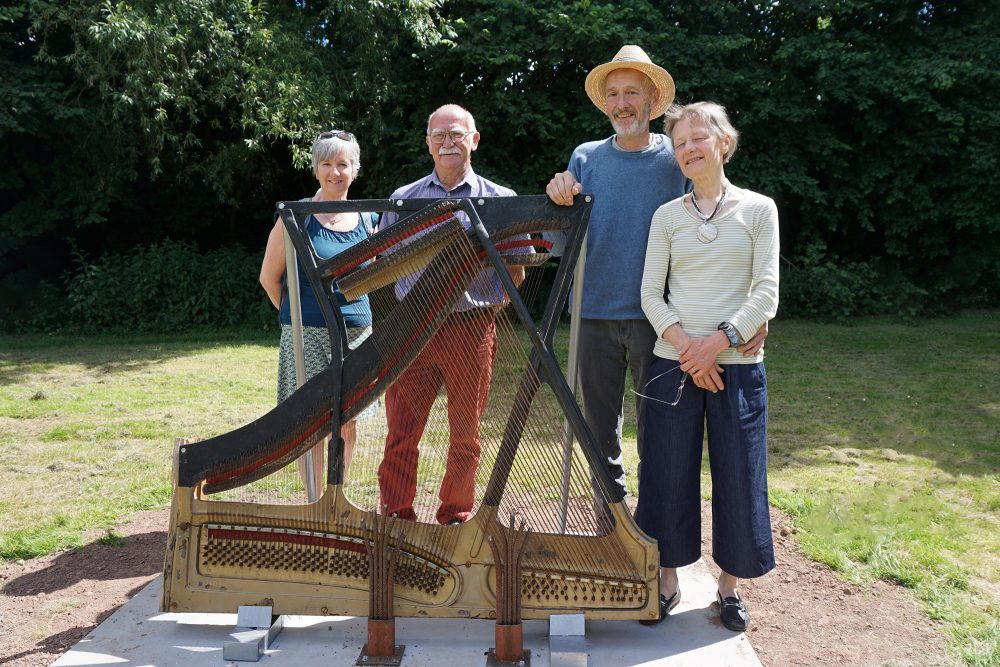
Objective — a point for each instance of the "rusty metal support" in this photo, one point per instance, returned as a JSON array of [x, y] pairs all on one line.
[[508, 547], [383, 554]]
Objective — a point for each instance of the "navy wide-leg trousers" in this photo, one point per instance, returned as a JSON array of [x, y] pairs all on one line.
[[669, 508]]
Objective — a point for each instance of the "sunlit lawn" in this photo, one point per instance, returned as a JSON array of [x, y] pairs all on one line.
[[87, 426], [884, 445]]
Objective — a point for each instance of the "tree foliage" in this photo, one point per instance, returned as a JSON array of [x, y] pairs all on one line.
[[899, 130], [873, 123]]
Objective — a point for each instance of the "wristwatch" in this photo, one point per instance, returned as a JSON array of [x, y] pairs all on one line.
[[731, 333]]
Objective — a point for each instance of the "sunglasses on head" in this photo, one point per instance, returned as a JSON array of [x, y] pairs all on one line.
[[336, 134]]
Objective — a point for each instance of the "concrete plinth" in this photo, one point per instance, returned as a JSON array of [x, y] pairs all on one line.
[[138, 634]]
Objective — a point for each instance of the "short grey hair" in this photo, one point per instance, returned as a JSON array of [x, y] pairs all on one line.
[[470, 123], [324, 149], [712, 114]]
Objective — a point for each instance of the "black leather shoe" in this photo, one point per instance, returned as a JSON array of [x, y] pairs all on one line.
[[666, 606], [733, 612]]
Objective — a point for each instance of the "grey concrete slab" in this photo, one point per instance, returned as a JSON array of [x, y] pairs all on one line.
[[138, 635]]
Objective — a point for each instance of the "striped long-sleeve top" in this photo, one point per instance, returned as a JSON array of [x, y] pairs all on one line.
[[731, 279]]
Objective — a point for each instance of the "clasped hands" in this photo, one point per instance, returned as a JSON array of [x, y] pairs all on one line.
[[697, 356]]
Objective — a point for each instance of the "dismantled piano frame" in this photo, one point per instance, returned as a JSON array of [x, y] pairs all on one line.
[[313, 558]]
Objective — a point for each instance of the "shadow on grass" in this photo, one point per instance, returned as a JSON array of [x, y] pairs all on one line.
[[885, 389], [110, 353]]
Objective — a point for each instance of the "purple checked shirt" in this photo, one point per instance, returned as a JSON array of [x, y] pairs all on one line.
[[485, 290]]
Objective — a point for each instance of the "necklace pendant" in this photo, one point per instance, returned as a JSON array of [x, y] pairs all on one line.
[[707, 232]]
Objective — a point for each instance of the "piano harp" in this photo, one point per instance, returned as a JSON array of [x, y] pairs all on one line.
[[231, 543]]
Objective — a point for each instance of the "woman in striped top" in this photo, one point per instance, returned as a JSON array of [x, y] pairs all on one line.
[[716, 251]]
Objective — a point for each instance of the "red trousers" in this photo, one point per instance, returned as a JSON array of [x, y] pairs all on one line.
[[460, 355]]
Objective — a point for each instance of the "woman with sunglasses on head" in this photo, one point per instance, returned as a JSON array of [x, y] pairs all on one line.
[[716, 250], [336, 159]]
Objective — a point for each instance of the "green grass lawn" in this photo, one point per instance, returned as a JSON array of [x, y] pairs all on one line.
[[87, 425], [885, 447], [884, 444]]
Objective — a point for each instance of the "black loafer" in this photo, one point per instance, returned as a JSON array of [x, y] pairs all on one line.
[[733, 612], [666, 606]]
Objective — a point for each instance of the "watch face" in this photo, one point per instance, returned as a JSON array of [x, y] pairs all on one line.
[[731, 334]]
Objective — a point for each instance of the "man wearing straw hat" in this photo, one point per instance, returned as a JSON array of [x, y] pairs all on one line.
[[631, 174]]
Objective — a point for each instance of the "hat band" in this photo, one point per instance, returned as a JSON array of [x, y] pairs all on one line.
[[630, 59]]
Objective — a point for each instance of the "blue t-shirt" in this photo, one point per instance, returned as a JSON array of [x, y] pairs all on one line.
[[628, 187], [328, 243]]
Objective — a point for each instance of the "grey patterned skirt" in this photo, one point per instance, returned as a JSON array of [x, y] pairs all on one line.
[[316, 353]]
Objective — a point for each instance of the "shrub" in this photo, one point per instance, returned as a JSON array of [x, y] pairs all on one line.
[[30, 304], [168, 286], [823, 286]]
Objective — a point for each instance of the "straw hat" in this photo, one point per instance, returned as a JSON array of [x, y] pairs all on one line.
[[632, 57]]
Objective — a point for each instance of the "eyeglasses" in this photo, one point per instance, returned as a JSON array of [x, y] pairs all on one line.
[[335, 134], [456, 136], [680, 388]]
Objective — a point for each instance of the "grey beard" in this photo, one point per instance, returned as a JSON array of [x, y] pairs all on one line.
[[635, 127]]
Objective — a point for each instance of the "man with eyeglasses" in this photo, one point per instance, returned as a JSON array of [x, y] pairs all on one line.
[[460, 355]]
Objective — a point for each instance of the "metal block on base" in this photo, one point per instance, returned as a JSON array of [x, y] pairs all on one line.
[[567, 641], [245, 645], [567, 651], [567, 625], [256, 629], [254, 616]]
